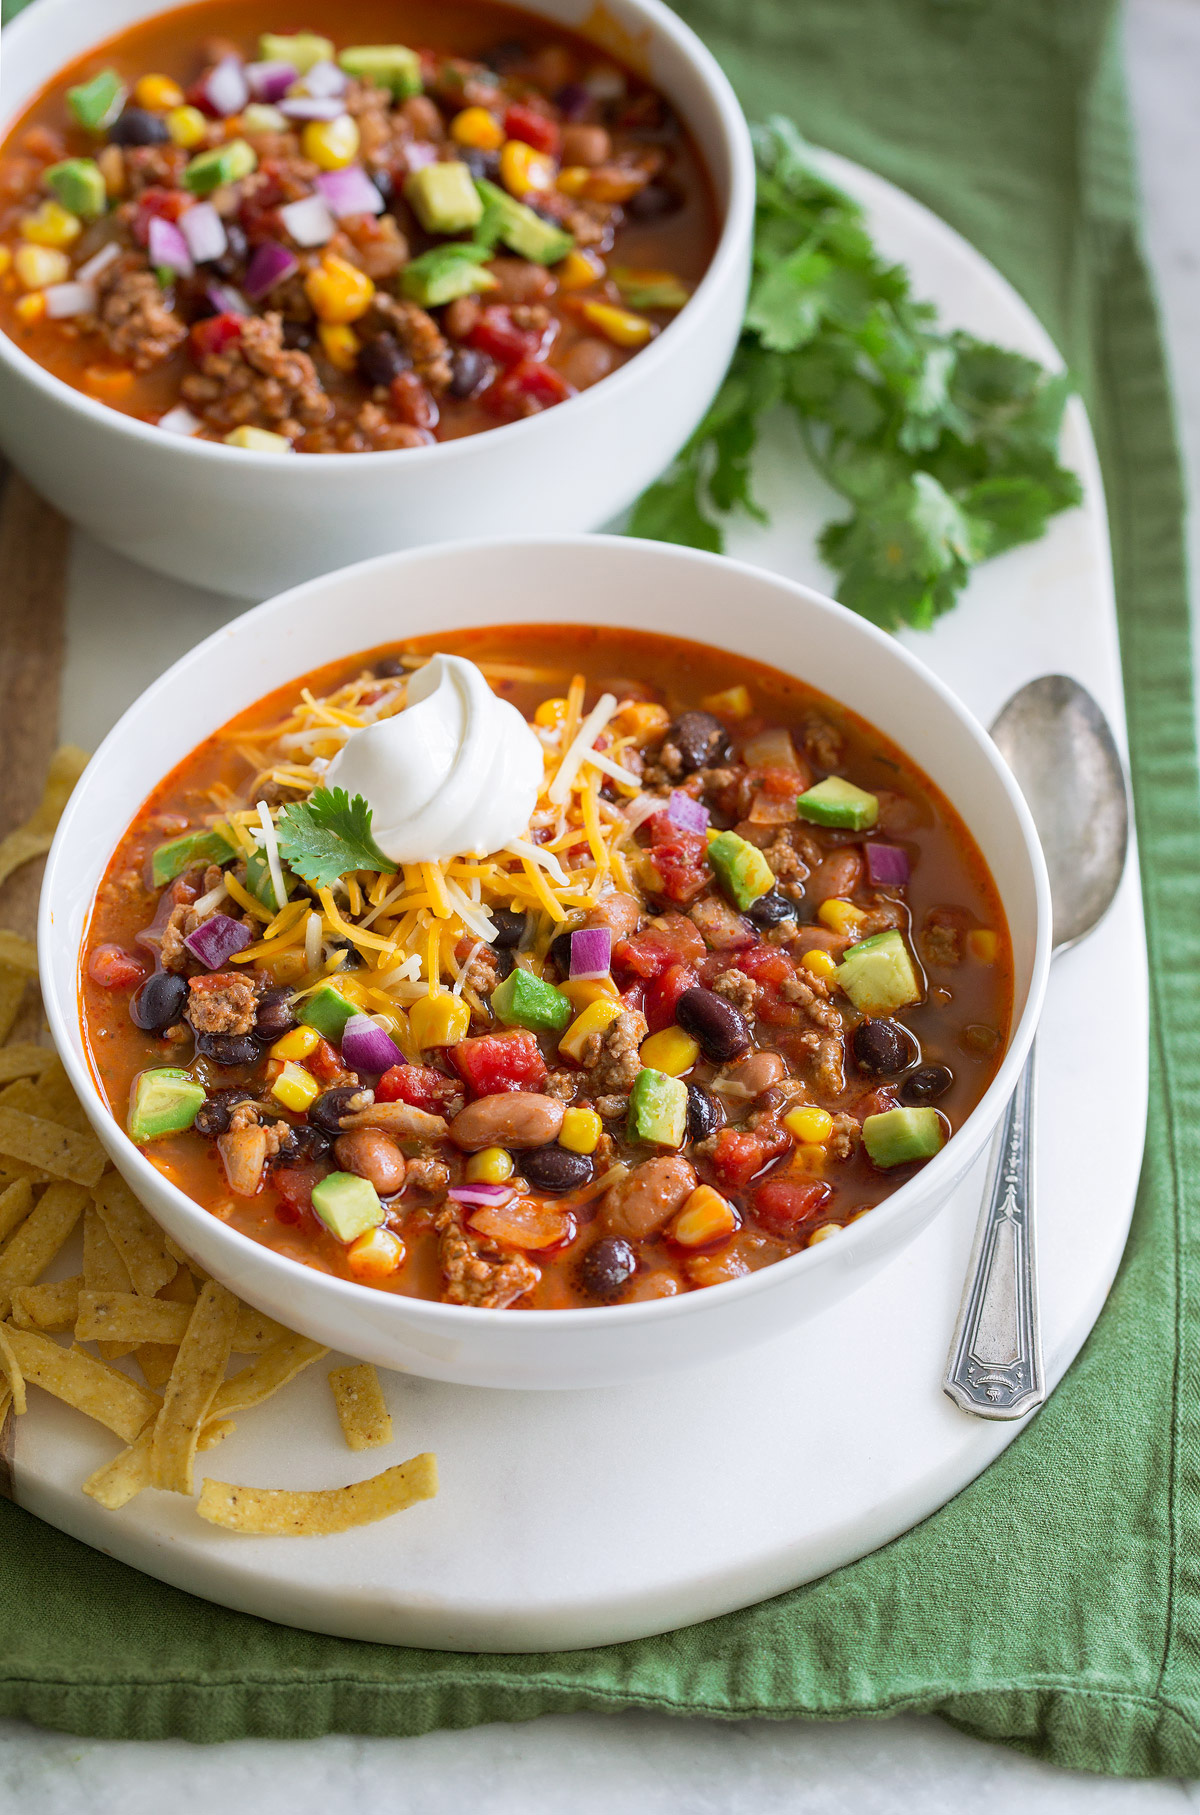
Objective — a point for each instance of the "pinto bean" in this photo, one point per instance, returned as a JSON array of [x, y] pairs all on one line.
[[521, 281], [838, 874], [590, 145], [645, 1201], [750, 1077], [587, 361], [511, 1118], [619, 913], [373, 1156]]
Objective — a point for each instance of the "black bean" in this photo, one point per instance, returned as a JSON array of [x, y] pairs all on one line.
[[704, 1114], [328, 1109], [298, 336], [275, 1017], [553, 1168], [381, 359], [510, 929], [382, 180], [507, 55], [700, 739], [138, 126], [883, 1048], [925, 1085], [354, 960], [607, 1268], [560, 951], [483, 165], [237, 250], [300, 1146], [470, 373], [390, 669], [227, 1050], [212, 1117], [573, 101], [715, 1023], [771, 908], [653, 201], [159, 1003]]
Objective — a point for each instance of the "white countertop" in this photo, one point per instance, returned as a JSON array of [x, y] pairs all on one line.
[[649, 1763]]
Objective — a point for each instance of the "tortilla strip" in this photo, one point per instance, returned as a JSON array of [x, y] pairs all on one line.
[[79, 1379], [127, 1318], [119, 1481], [39, 1239], [199, 1370], [156, 1359], [52, 1307], [62, 1105], [35, 837], [275, 1512], [361, 1408], [273, 1369], [17, 953], [12, 992], [105, 1271], [16, 1201], [24, 1060], [11, 1369], [135, 1235], [58, 1150]]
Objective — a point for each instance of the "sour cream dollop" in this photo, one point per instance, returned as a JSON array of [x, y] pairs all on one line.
[[457, 773]]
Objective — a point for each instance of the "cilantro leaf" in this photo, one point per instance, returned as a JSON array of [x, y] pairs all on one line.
[[327, 836]]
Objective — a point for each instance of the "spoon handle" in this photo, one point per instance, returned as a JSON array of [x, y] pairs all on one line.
[[995, 1366]]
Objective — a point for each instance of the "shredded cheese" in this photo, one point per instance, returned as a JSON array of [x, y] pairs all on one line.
[[560, 788], [271, 847]]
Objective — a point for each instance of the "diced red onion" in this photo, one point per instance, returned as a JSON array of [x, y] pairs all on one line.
[[168, 247], [227, 300], [270, 81], [270, 264], [180, 421], [204, 231], [350, 191], [887, 864], [325, 79], [688, 814], [366, 1047], [309, 221], [225, 87], [64, 300], [418, 154], [311, 107], [216, 939], [99, 261], [479, 1195], [591, 952]]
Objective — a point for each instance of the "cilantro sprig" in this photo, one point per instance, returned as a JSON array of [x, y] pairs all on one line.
[[946, 448], [327, 836]]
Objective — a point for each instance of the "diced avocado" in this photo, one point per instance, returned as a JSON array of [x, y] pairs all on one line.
[[260, 884], [523, 1000], [171, 859], [648, 289], [97, 103], [900, 1135], [300, 49], [741, 869], [445, 272], [79, 185], [165, 1101], [835, 802], [523, 231], [391, 66], [878, 975], [444, 198], [328, 1011], [347, 1205], [223, 164], [658, 1108]]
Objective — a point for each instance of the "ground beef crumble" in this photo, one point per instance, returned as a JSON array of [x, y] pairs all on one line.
[[612, 1059], [221, 1004], [135, 318], [739, 989], [476, 1272], [257, 380]]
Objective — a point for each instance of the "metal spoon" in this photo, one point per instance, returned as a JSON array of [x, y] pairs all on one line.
[[1058, 744]]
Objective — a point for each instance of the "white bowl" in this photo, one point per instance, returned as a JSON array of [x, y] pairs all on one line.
[[592, 580], [248, 523]]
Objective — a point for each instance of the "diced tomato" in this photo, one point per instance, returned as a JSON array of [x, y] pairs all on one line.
[[526, 390], [633, 998], [112, 967], [682, 866], [741, 1154], [664, 992], [214, 334], [497, 335], [421, 1085], [325, 1062], [498, 1062], [197, 96], [782, 1205], [166, 204], [295, 1187], [784, 782], [765, 963], [533, 128], [673, 940]]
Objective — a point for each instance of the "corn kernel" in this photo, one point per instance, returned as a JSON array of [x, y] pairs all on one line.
[[51, 225], [375, 1254], [983, 945], [819, 964], [641, 717], [157, 94], [621, 326], [581, 992], [187, 127], [491, 1167], [37, 266], [523, 170], [809, 1124], [594, 1019], [295, 1088], [804, 1161], [476, 128], [581, 1130], [735, 701], [573, 180], [439, 1020], [296, 1045], [671, 1051], [822, 1234], [579, 270], [30, 308], [550, 714], [339, 343], [257, 441], [840, 916], [331, 144], [706, 1217], [107, 382], [338, 290], [5, 259]]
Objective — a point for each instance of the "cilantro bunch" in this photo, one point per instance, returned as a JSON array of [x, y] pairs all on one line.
[[945, 448]]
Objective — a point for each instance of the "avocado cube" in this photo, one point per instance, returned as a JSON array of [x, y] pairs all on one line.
[[658, 1107], [171, 859], [899, 1136], [223, 164], [521, 229], [260, 883], [347, 1205], [523, 1000], [79, 185], [836, 802], [878, 975], [300, 49], [97, 103], [165, 1101], [391, 66], [443, 197], [648, 289], [741, 869], [445, 272], [328, 1011]]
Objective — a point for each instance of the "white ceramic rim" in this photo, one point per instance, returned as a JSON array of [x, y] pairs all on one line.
[[65, 1022], [735, 232]]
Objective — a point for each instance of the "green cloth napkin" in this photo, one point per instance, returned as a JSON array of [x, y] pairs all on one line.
[[1055, 1605]]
